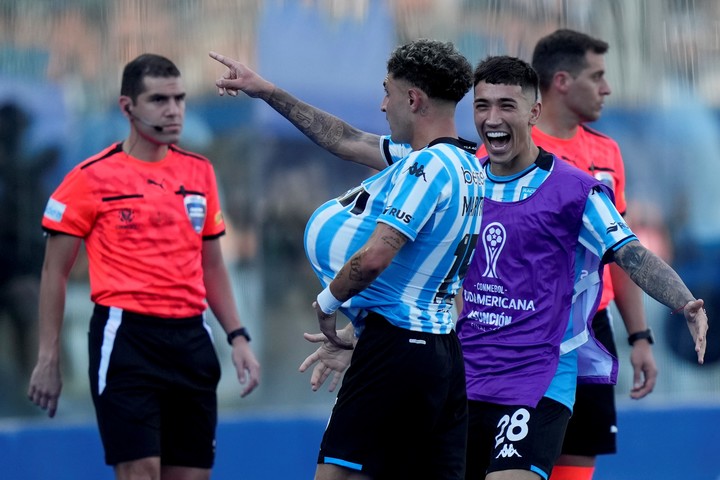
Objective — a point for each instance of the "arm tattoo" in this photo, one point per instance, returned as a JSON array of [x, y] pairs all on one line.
[[394, 239], [653, 275], [322, 128], [356, 274], [357, 277]]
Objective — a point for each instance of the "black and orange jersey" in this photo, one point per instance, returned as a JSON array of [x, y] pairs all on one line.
[[143, 224], [597, 154]]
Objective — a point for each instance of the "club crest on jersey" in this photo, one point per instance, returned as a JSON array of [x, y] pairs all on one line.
[[196, 209]]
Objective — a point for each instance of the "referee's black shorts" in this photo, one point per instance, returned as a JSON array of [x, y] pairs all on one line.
[[402, 409], [153, 383], [593, 426]]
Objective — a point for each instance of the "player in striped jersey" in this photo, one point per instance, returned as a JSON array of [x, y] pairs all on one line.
[[350, 143], [534, 285], [149, 215], [392, 253], [571, 69]]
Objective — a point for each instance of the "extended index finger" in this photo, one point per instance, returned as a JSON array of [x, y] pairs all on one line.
[[221, 58]]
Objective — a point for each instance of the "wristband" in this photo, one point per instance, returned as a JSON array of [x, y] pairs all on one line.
[[239, 332], [327, 301], [646, 334]]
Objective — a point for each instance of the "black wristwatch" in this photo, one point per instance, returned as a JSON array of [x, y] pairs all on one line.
[[240, 332], [647, 334]]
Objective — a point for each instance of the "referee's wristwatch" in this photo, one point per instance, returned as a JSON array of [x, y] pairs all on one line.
[[646, 334], [239, 332]]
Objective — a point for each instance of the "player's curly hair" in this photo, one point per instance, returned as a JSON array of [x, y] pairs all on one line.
[[146, 65], [506, 70], [437, 68]]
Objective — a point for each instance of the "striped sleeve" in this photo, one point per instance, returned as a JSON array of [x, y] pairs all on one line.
[[415, 194], [603, 227], [393, 152]]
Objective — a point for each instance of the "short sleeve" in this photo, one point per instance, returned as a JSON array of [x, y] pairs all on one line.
[[215, 223], [72, 207]]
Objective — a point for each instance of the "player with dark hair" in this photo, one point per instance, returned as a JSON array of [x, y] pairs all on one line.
[[149, 215], [571, 69], [392, 253], [527, 306], [534, 285]]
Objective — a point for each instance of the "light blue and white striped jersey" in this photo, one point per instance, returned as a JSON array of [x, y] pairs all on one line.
[[603, 230], [434, 197]]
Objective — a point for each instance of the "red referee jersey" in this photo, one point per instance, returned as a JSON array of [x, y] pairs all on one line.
[[597, 154], [143, 224]]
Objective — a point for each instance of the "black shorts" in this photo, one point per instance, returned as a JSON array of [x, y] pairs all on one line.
[[503, 437], [153, 383], [593, 427], [402, 409]]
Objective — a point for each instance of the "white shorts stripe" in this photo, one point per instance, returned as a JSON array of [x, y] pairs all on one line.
[[109, 334]]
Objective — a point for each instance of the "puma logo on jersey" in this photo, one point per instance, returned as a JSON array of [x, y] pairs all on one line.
[[508, 451], [150, 181]]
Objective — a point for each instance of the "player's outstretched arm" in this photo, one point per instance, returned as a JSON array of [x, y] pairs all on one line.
[[328, 131], [663, 284]]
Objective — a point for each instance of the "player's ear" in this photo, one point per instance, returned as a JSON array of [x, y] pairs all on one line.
[[535, 111], [561, 81], [417, 99], [124, 103]]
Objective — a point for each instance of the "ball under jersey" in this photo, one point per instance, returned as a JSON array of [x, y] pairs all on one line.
[[433, 196], [143, 224], [600, 156]]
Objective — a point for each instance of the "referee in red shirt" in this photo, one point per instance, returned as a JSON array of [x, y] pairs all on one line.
[[149, 215]]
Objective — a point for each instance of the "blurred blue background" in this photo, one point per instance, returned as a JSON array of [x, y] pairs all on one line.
[[60, 66]]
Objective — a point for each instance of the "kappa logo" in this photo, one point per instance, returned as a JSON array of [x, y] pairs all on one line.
[[417, 171], [508, 451], [615, 226]]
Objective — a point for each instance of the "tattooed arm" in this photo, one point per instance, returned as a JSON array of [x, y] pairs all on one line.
[[359, 272], [328, 131], [663, 284]]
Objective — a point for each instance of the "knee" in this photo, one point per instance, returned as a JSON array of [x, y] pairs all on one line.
[[141, 469]]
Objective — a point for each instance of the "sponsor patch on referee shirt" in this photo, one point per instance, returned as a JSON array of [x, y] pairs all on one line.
[[54, 210]]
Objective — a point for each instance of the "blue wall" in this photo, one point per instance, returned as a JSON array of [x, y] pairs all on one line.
[[657, 444]]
